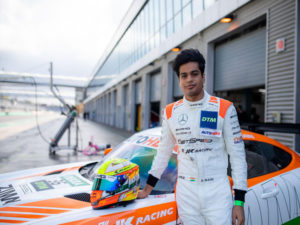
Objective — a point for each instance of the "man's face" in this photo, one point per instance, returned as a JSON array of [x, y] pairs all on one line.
[[191, 81]]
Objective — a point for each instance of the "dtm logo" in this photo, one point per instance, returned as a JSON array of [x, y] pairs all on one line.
[[209, 119], [182, 119]]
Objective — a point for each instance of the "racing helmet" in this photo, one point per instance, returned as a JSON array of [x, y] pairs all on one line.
[[116, 181]]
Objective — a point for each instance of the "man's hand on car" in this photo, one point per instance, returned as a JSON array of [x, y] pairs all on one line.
[[145, 192]]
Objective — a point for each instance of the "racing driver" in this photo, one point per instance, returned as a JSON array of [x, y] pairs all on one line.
[[206, 130]]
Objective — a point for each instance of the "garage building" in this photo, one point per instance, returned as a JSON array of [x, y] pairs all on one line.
[[252, 61]]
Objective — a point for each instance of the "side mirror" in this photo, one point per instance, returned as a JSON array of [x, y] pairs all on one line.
[[108, 150]]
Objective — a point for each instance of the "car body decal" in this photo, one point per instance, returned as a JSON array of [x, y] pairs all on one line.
[[51, 206], [33, 210], [156, 214], [63, 203], [50, 172]]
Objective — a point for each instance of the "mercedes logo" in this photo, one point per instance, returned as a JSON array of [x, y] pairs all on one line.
[[182, 119]]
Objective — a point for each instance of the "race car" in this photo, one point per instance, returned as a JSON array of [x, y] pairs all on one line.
[[61, 194]]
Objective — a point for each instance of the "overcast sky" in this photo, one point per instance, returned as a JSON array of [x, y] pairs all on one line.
[[71, 33]]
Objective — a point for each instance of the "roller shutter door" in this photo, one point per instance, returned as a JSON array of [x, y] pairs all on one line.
[[138, 92], [155, 87], [177, 92], [240, 63]]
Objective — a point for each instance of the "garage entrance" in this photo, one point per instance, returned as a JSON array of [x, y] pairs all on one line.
[[239, 70], [138, 107], [125, 104], [177, 92], [155, 96], [249, 103]]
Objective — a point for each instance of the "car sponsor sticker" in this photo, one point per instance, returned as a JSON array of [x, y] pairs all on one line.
[[8, 194], [156, 214], [160, 196], [209, 119], [144, 140], [41, 185], [74, 181], [25, 189], [58, 182]]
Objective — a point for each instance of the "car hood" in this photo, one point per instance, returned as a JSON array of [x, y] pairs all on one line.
[[44, 192], [60, 195]]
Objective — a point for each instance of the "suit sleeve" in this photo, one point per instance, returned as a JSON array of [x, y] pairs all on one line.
[[236, 149], [164, 151]]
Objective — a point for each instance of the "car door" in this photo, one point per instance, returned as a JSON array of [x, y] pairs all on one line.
[[275, 200]]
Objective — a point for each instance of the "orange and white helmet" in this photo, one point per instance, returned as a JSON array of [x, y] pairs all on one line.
[[117, 181]]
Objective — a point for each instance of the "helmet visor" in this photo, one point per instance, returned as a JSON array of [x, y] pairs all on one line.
[[105, 183]]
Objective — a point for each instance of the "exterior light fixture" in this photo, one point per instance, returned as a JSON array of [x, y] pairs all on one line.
[[227, 19], [176, 49]]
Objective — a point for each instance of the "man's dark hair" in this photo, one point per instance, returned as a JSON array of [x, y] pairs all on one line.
[[189, 55]]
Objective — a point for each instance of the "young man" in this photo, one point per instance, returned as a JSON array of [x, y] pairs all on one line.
[[207, 130]]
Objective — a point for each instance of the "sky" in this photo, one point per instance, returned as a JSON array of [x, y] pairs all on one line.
[[71, 33]]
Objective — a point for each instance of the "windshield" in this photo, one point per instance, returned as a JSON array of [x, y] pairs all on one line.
[[141, 150], [263, 158]]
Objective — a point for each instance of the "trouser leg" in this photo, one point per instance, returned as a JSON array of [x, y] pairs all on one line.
[[218, 203], [188, 203], [207, 203]]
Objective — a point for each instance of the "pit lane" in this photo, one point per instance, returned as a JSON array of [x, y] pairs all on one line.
[[21, 146]]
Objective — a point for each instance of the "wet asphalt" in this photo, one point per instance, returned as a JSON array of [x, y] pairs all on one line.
[[22, 147]]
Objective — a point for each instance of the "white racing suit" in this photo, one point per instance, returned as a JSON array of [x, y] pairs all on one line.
[[206, 131]]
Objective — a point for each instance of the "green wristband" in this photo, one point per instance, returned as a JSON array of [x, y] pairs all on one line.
[[240, 203]]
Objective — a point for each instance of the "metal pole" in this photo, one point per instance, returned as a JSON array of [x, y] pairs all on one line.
[[69, 136], [77, 128], [52, 90]]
